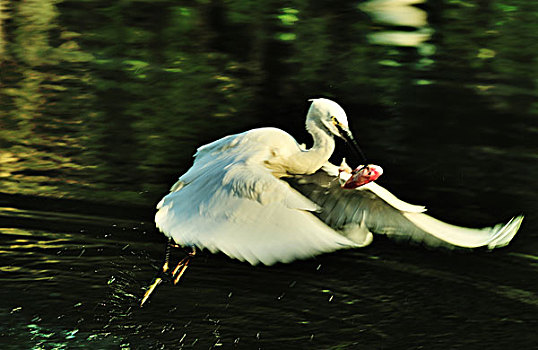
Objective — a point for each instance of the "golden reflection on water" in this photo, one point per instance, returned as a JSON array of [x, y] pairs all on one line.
[[10, 268], [14, 231], [37, 134]]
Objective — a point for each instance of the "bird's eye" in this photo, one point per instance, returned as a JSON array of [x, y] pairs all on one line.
[[334, 120]]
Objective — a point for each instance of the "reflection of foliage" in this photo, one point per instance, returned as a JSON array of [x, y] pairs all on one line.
[[99, 95], [490, 59], [38, 126], [3, 17]]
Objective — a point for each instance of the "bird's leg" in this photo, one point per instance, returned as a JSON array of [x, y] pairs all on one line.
[[159, 277], [182, 265]]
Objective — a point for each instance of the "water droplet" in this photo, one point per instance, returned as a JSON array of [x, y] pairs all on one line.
[[16, 309], [292, 284]]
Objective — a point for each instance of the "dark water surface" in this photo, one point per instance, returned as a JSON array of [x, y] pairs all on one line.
[[103, 103]]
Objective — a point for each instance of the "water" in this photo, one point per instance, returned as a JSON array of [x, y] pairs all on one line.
[[103, 104]]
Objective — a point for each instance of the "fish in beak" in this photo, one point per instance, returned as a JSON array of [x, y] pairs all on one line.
[[363, 175]]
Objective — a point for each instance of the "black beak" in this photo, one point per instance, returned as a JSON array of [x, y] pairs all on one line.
[[355, 149]]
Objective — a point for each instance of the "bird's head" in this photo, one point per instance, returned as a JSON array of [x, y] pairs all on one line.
[[329, 114]]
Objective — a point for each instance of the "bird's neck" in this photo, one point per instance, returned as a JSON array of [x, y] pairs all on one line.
[[312, 160]]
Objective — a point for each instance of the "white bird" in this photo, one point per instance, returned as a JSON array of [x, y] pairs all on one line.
[[261, 197]]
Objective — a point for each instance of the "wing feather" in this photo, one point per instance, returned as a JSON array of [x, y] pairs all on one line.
[[383, 213], [230, 203]]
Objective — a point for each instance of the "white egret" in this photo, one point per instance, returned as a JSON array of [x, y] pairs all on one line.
[[260, 197]]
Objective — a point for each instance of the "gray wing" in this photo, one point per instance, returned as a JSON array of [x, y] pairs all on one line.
[[350, 210]]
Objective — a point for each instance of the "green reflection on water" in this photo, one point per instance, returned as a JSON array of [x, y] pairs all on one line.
[[110, 99]]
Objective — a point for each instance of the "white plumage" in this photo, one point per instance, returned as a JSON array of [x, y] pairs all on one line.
[[259, 196]]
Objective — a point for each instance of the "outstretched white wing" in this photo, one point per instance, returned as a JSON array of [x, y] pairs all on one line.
[[229, 202], [381, 212]]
